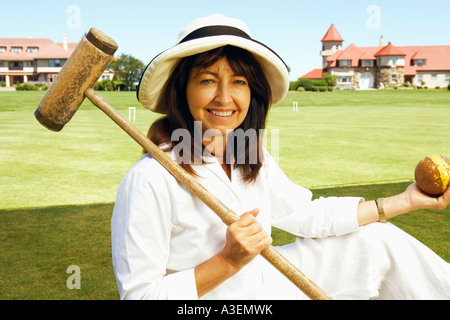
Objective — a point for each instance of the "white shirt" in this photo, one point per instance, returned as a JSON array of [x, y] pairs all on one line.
[[160, 232]]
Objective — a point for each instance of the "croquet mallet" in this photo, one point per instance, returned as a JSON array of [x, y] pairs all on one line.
[[75, 81]]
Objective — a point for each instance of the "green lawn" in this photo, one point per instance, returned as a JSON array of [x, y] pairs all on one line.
[[57, 189], [318, 146]]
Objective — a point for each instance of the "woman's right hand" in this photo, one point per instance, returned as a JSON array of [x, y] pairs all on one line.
[[246, 238]]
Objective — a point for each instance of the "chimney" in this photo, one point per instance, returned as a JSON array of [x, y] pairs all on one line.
[[381, 41], [65, 44]]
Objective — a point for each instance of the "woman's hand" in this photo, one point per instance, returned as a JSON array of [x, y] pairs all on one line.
[[409, 200], [245, 240], [419, 200]]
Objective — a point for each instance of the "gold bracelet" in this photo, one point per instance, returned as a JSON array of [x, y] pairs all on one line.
[[380, 208]]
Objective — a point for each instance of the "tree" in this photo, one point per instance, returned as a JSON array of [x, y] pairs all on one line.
[[127, 69]]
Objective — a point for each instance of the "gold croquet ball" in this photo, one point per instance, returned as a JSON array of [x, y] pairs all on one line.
[[433, 174]]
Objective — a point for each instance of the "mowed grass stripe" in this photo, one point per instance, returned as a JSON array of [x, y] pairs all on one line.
[[38, 245], [318, 146]]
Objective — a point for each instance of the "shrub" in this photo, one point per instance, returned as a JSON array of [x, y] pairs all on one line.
[[308, 84], [26, 87], [292, 85], [104, 85], [305, 83], [2, 84], [40, 85], [448, 87], [330, 79]]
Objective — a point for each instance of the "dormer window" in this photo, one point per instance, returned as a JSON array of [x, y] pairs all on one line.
[[2, 49], [344, 63], [32, 49], [420, 62]]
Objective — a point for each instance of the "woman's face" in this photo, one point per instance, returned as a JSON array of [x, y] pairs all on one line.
[[218, 97]]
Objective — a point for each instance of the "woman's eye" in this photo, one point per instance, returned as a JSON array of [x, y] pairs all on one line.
[[206, 81]]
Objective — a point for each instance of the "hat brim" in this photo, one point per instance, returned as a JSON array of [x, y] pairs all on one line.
[[157, 73]]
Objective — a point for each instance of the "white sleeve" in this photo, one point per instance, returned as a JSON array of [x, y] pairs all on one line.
[[294, 211], [140, 236]]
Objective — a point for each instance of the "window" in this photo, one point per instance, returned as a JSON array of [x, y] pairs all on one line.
[[420, 62], [51, 77], [16, 49], [32, 49], [367, 63], [344, 63], [30, 63], [393, 78], [2, 64], [16, 65], [447, 77], [394, 61], [54, 63], [2, 49], [346, 79]]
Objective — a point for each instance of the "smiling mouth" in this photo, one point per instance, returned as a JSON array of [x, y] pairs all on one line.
[[221, 113]]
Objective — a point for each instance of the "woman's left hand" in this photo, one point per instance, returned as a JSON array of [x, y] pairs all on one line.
[[421, 200], [409, 200]]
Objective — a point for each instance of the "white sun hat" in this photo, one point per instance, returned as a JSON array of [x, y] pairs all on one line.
[[202, 35]]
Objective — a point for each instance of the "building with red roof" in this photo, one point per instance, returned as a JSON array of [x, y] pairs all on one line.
[[314, 74], [382, 66], [28, 60]]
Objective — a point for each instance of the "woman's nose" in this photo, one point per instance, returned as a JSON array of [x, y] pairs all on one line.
[[223, 95]]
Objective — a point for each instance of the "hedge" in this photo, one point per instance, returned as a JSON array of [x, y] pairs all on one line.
[[26, 87], [308, 84], [32, 86]]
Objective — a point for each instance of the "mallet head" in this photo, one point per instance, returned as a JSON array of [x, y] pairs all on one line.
[[84, 67]]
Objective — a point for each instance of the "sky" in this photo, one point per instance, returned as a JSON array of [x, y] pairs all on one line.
[[292, 28]]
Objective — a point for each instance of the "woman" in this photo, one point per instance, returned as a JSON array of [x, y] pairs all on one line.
[[215, 88]]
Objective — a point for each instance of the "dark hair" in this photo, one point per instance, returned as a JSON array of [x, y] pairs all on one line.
[[178, 115]]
